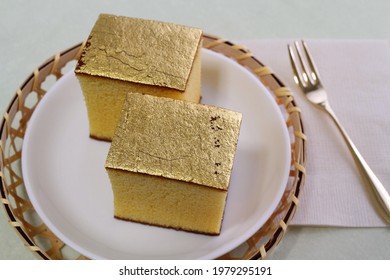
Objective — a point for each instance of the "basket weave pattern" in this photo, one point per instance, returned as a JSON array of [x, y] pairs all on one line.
[[38, 237]]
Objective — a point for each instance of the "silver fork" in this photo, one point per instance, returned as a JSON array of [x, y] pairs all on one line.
[[307, 78]]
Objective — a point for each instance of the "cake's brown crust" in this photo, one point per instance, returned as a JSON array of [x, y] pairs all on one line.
[[168, 227], [100, 138]]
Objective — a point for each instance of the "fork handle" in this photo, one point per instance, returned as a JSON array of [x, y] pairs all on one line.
[[379, 190]]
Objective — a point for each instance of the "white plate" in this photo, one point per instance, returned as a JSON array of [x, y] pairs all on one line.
[[63, 170]]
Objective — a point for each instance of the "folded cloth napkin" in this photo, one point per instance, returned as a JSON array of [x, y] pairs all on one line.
[[356, 75]]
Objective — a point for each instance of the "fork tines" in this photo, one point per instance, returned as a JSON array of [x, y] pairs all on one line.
[[309, 75]]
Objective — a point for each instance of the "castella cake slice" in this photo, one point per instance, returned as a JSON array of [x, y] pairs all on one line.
[[170, 163], [124, 55]]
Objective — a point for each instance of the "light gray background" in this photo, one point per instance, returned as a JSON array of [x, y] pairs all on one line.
[[32, 31]]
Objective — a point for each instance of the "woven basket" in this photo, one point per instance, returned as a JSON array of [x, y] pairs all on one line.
[[38, 237]]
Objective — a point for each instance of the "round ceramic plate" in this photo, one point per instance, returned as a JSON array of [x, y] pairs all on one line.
[[63, 171]]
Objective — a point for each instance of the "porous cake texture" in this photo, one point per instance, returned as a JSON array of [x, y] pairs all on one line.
[[170, 163], [124, 55]]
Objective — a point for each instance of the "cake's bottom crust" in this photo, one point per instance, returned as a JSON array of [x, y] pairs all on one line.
[[168, 227], [100, 138]]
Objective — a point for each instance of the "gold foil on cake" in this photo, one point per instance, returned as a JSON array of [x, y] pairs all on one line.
[[175, 139], [140, 51]]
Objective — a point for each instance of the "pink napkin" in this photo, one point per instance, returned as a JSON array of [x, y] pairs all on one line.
[[356, 75]]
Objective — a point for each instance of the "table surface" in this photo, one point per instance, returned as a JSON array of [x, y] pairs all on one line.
[[32, 31]]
